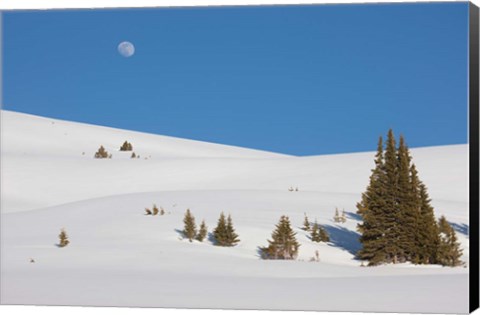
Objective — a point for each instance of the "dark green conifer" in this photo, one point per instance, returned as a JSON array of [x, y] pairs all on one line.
[[202, 233], [315, 233], [371, 208], [190, 228], [126, 146], [306, 224], [324, 237], [283, 245], [449, 251], [63, 238], [232, 237], [102, 153]]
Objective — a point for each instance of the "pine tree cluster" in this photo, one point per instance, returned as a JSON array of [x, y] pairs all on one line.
[[102, 153], [319, 233], [224, 233], [126, 146], [399, 224]]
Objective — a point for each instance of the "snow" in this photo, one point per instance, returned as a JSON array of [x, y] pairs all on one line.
[[118, 256]]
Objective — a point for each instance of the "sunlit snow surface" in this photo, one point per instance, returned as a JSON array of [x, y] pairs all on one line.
[[120, 257]]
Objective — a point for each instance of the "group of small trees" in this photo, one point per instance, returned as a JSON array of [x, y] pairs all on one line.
[[399, 224], [102, 153], [337, 218], [154, 211], [224, 233], [293, 189], [126, 146], [317, 232]]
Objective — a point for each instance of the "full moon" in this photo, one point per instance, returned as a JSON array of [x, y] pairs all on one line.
[[126, 49]]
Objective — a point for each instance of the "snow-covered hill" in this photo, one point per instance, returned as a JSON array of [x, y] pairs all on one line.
[[119, 256]]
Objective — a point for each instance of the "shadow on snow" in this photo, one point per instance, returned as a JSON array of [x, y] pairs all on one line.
[[344, 238]]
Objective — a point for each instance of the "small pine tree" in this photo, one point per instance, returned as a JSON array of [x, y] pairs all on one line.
[[202, 233], [148, 211], [336, 217], [343, 218], [232, 236], [306, 224], [133, 156], [190, 228], [283, 245], [449, 251], [101, 153], [324, 237], [315, 233], [63, 238], [126, 146], [220, 232], [162, 211], [155, 210]]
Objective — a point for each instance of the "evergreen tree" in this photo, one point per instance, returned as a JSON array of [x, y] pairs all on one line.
[[63, 238], [148, 211], [133, 155], [343, 217], [126, 146], [315, 233], [155, 210], [190, 228], [162, 211], [371, 208], [428, 238], [224, 233], [399, 224], [283, 245], [391, 211], [336, 217], [324, 237], [232, 237], [306, 224], [408, 214], [220, 232], [449, 251], [202, 233], [101, 153]]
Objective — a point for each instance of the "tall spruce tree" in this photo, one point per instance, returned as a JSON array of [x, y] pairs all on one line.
[[428, 238], [283, 245], [190, 228], [371, 208], [408, 214]]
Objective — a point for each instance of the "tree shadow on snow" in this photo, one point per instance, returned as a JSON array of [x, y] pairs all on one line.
[[353, 216], [344, 238], [180, 233], [460, 228]]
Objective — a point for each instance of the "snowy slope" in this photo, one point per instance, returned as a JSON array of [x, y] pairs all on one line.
[[118, 256]]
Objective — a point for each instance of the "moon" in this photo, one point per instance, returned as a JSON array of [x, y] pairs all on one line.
[[126, 49]]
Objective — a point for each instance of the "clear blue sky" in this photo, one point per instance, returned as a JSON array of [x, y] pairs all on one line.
[[300, 80]]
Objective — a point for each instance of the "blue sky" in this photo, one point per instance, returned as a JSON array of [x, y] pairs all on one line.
[[300, 80]]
